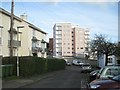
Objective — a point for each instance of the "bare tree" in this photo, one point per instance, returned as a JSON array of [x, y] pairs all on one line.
[[102, 45]]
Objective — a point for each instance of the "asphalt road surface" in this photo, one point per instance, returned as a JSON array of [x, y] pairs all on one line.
[[71, 77]]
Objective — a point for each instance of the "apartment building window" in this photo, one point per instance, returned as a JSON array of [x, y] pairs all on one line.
[[78, 48], [68, 47], [68, 52], [81, 48]]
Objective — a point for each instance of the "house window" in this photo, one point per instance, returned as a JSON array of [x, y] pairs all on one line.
[[109, 60]]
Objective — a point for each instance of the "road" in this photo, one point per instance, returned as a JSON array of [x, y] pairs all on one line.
[[71, 77]]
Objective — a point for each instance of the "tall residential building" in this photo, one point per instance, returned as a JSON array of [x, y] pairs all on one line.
[[28, 40], [70, 40]]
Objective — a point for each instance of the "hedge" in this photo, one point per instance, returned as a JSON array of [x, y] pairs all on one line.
[[30, 65], [55, 64]]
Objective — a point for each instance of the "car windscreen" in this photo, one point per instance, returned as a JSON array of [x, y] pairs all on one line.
[[101, 70]]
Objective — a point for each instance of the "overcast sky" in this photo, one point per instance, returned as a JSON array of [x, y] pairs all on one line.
[[99, 17]]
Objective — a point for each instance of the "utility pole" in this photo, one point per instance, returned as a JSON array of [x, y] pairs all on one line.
[[11, 29]]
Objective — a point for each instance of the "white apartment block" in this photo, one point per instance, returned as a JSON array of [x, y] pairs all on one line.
[[29, 39], [69, 40]]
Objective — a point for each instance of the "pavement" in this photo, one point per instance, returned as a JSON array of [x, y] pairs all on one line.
[[17, 83]]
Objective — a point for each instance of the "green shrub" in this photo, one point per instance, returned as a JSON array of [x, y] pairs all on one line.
[[30, 65]]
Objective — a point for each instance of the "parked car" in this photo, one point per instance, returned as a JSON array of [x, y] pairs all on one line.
[[77, 62], [93, 75], [81, 63], [68, 63], [86, 67], [108, 71], [102, 84]]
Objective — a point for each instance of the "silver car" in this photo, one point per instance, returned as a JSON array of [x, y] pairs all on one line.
[[108, 72], [86, 67]]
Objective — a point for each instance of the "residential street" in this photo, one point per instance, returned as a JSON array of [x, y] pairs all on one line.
[[69, 78]]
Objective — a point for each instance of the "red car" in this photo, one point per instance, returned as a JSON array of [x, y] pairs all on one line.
[[108, 84]]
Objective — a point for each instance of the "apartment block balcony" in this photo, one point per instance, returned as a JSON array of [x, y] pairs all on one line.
[[36, 49], [58, 37], [15, 31], [34, 39], [15, 43], [58, 49], [43, 52], [86, 37], [87, 33], [59, 33], [59, 41]]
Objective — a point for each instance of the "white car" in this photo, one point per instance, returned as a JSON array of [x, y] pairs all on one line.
[[77, 62], [74, 62]]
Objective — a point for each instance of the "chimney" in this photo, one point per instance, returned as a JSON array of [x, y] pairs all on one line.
[[24, 17]]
